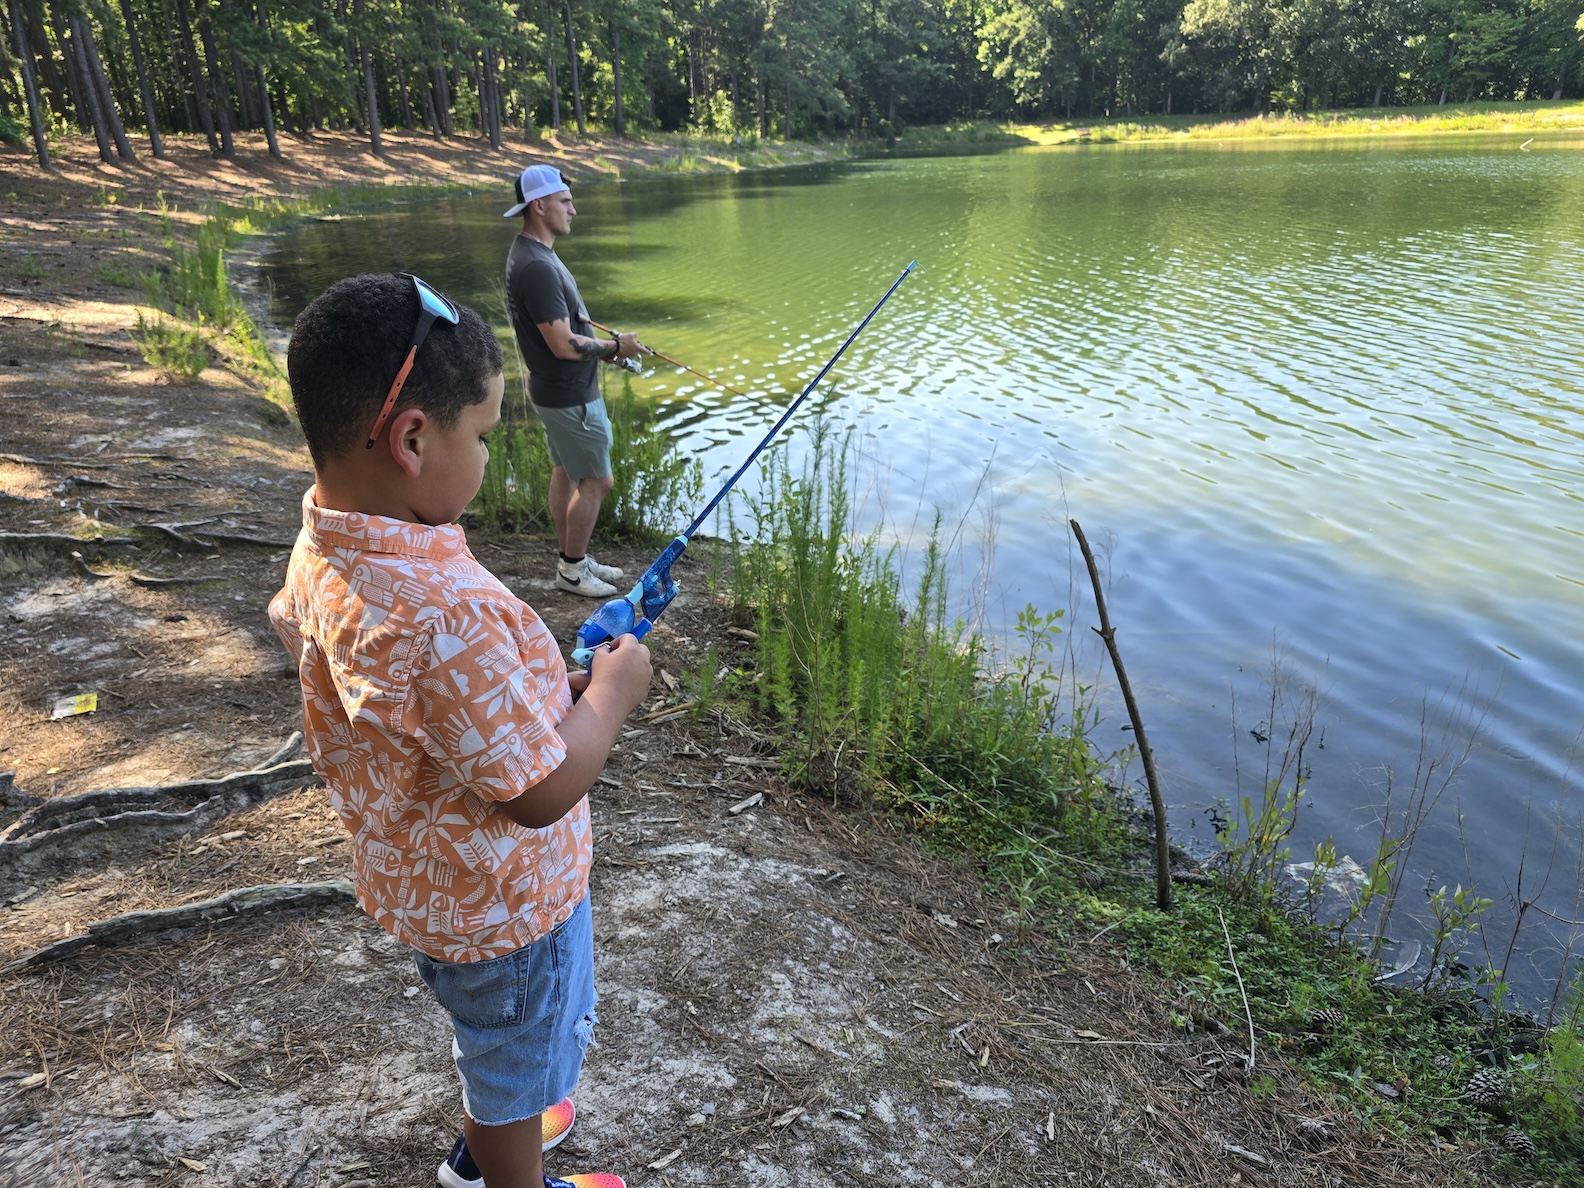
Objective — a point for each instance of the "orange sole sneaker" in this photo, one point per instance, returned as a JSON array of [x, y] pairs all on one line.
[[557, 1123]]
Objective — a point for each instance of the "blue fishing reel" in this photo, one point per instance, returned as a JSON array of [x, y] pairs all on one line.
[[634, 614]]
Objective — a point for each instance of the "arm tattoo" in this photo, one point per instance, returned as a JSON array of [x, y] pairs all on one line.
[[590, 348]]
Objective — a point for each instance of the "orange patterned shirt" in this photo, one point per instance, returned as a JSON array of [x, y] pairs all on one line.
[[431, 693]]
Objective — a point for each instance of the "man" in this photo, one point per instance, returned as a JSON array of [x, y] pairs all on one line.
[[557, 343]]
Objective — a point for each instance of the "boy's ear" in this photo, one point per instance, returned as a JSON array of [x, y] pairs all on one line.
[[405, 440]]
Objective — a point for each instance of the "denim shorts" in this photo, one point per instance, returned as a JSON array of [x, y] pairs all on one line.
[[579, 438], [521, 1023]]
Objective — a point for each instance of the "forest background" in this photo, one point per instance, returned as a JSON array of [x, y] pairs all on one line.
[[747, 68]]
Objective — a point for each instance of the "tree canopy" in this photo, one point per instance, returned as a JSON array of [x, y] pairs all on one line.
[[764, 68]]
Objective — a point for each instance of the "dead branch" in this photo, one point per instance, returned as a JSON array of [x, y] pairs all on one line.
[[243, 901], [1163, 894]]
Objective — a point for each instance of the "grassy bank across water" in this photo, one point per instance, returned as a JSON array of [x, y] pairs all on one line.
[[1539, 118]]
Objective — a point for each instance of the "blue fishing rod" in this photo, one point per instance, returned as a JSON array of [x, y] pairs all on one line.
[[637, 611]]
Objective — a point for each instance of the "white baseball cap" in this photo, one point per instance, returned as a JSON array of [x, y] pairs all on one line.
[[535, 182]]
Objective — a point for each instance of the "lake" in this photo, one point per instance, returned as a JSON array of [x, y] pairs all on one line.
[[1317, 404]]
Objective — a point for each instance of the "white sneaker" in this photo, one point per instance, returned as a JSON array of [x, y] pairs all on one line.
[[580, 579], [605, 573]]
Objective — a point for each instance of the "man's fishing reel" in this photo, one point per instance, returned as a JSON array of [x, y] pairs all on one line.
[[634, 614]]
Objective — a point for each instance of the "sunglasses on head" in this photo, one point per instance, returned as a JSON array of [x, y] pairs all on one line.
[[431, 306]]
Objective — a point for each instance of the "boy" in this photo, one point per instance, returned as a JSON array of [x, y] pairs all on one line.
[[439, 712]]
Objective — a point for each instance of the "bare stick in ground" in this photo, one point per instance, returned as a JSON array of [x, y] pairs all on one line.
[[1238, 974], [1163, 895]]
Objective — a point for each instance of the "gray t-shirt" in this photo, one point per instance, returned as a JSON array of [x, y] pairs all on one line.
[[540, 289]]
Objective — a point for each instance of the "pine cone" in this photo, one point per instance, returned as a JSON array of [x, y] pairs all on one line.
[[1519, 1145], [1443, 1063], [1487, 1089], [1326, 1019]]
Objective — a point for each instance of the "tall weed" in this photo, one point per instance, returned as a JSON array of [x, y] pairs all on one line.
[[656, 493], [171, 346], [878, 694]]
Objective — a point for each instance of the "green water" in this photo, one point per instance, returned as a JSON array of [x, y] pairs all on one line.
[[1319, 399]]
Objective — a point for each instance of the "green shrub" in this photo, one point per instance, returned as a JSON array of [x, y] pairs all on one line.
[[170, 346], [119, 275]]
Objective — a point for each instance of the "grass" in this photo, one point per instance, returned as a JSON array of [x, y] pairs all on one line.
[[1541, 116], [657, 490], [173, 347]]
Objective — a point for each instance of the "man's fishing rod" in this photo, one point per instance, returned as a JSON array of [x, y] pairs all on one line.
[[636, 613], [673, 362]]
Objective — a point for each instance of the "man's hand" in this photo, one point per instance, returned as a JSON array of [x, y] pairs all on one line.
[[628, 346]]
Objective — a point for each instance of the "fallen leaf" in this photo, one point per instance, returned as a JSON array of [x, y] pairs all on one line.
[[788, 1118], [666, 1161], [192, 1164], [34, 1081], [1088, 1035], [357, 1165]]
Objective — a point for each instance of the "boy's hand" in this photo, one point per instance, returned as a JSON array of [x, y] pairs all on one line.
[[622, 672], [578, 682]]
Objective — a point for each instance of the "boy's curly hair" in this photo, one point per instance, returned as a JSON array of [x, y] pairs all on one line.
[[349, 343]]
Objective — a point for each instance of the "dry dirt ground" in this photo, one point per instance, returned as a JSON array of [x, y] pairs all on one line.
[[792, 993]]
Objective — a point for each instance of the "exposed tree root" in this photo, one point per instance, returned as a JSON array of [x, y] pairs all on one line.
[[243, 901]]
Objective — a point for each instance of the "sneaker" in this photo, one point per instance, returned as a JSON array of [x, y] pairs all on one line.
[[459, 1170], [586, 1180], [580, 579], [605, 573]]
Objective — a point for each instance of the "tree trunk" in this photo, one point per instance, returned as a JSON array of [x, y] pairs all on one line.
[[555, 89], [764, 115], [621, 123], [375, 141], [401, 78], [92, 107], [49, 79], [262, 18], [217, 81], [442, 87], [100, 82], [571, 40], [35, 114], [429, 108], [371, 98], [195, 72], [144, 88], [786, 133], [80, 109], [494, 98]]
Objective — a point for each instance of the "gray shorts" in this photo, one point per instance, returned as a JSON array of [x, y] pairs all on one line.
[[579, 438]]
